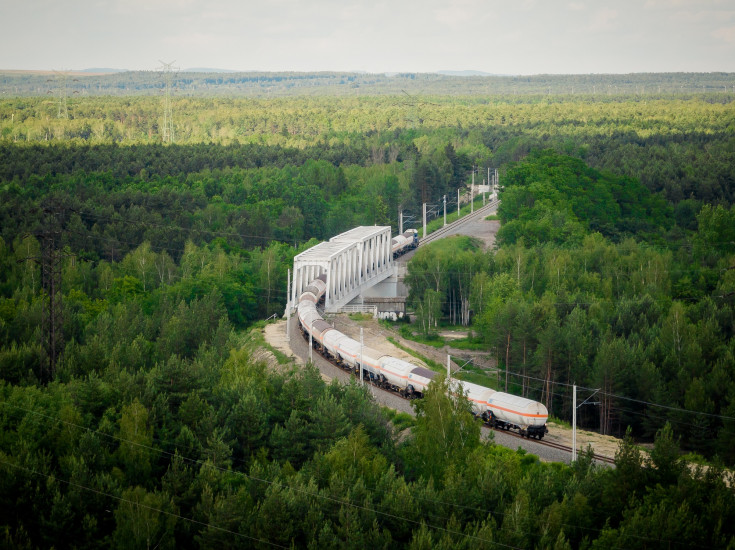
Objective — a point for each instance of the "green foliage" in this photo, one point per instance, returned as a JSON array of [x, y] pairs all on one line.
[[556, 199], [439, 277], [360, 316], [162, 428], [433, 340], [640, 319], [445, 434], [400, 420]]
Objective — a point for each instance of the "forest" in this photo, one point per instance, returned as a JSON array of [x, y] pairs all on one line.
[[159, 424], [598, 282], [295, 84]]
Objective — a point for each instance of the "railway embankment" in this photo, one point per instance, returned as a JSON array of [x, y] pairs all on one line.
[[297, 348]]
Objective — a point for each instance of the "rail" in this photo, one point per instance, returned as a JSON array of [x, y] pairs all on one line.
[[479, 213]]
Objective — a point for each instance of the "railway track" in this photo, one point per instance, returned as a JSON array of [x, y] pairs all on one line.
[[546, 443], [479, 213], [555, 445]]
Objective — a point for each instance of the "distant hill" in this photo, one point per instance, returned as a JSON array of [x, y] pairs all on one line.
[[103, 70], [218, 82], [467, 73], [208, 70]]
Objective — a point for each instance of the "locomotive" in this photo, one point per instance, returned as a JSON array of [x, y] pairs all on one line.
[[497, 409]]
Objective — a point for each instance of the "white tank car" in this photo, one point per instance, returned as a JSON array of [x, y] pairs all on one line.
[[348, 351], [319, 329], [400, 242], [404, 242], [405, 376], [317, 287], [342, 347], [528, 415], [395, 370], [308, 315], [370, 364], [477, 395], [420, 378]]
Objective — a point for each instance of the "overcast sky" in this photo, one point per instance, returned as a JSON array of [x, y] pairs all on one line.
[[495, 36]]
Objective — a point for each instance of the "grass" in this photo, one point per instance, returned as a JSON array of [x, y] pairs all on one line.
[[258, 338], [281, 357], [400, 420], [433, 340], [360, 316], [560, 422], [492, 218], [470, 374], [477, 378], [472, 343], [476, 375], [438, 223], [433, 365], [467, 344]]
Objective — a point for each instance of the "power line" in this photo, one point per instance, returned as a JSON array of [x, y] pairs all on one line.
[[254, 478], [450, 272], [613, 395], [139, 504], [282, 486]]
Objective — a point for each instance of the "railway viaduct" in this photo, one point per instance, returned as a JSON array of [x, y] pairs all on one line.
[[359, 267]]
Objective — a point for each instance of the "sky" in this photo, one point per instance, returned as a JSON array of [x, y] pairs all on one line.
[[493, 36]]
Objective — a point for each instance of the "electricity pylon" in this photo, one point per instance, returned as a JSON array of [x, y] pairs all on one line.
[[168, 118], [62, 93], [52, 320], [413, 102]]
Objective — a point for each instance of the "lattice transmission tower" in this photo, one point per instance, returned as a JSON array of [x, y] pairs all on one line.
[[52, 320], [49, 236], [61, 93], [168, 70]]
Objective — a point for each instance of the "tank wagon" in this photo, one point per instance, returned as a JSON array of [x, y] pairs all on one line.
[[404, 242], [497, 409]]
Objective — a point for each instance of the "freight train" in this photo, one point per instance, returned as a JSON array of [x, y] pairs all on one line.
[[497, 409]]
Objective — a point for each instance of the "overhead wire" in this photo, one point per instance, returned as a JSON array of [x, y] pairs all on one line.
[[502, 371], [149, 449], [617, 396], [140, 504], [514, 374], [277, 293], [153, 450]]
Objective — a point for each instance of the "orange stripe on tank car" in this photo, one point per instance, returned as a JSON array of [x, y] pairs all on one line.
[[379, 367], [520, 413]]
